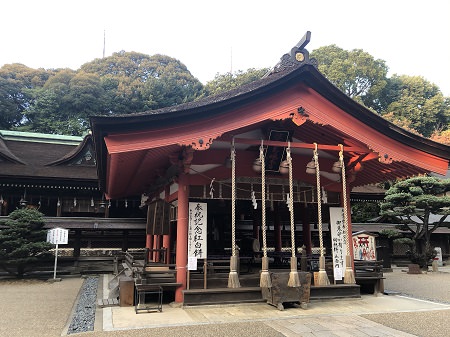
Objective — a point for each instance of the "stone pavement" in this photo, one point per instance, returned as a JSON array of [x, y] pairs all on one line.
[[34, 308], [330, 318], [321, 318]]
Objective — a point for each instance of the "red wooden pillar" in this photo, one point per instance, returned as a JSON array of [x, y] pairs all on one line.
[[166, 238], [277, 226], [182, 235], [306, 229], [256, 224], [156, 246], [149, 245]]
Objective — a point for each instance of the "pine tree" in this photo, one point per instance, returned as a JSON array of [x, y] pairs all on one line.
[[413, 202], [23, 242]]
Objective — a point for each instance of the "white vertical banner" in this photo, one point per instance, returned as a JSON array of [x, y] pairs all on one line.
[[198, 230], [338, 246]]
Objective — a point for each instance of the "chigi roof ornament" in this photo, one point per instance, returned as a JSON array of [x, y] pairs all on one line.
[[298, 55]]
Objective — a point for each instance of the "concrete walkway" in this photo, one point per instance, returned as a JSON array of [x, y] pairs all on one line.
[[37, 308], [331, 318], [351, 317]]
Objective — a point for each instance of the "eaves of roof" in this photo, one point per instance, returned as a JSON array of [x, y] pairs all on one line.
[[226, 101]]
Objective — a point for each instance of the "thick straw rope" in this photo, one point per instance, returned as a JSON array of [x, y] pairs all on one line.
[[294, 280], [322, 276], [233, 277], [349, 276], [264, 281]]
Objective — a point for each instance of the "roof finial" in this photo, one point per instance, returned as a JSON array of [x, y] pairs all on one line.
[[297, 56], [304, 41]]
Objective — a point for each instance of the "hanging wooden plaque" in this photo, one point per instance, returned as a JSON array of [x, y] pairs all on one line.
[[158, 217]]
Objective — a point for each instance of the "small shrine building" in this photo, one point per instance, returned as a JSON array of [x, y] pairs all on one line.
[[212, 151]]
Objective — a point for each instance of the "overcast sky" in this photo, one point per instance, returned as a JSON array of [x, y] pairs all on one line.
[[211, 37]]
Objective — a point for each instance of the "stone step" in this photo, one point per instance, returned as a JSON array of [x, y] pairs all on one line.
[[222, 296], [108, 302]]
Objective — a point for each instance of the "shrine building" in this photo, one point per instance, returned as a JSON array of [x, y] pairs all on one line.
[[258, 168]]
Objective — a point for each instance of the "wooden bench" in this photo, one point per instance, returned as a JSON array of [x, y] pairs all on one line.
[[370, 274]]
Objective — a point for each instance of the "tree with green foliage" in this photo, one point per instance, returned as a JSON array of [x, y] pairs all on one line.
[[23, 242], [65, 102], [16, 81], [355, 72], [410, 102], [61, 100], [415, 103], [413, 203], [229, 81], [137, 82], [364, 211]]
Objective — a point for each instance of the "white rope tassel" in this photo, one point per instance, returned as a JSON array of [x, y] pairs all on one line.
[[294, 280], [322, 276], [265, 281], [349, 275], [233, 277]]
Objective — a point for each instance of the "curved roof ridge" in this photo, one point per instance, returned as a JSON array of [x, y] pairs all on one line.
[[6, 153], [72, 154], [38, 137]]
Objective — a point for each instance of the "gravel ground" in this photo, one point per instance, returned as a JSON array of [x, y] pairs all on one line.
[[83, 318], [433, 286], [36, 308]]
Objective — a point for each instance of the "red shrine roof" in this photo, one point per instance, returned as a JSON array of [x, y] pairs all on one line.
[[141, 152]]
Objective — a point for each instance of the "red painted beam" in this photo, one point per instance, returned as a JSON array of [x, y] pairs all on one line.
[[300, 145]]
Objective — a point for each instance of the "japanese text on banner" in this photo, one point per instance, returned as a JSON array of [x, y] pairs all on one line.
[[338, 246], [198, 230]]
